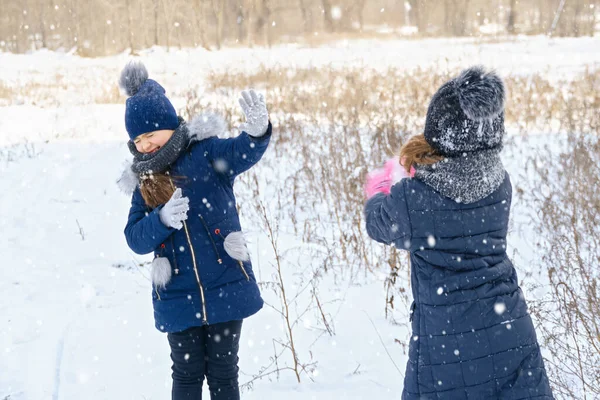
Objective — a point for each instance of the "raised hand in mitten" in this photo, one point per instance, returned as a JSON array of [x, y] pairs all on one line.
[[175, 211], [257, 116]]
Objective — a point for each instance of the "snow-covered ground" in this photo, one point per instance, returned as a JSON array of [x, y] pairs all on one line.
[[75, 306]]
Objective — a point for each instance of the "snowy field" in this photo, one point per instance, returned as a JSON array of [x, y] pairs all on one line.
[[76, 308]]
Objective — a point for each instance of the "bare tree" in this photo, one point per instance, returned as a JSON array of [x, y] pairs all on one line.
[[130, 26], [556, 17], [306, 16], [241, 20], [512, 16], [167, 24], [455, 16], [592, 25], [42, 25], [359, 6], [155, 6], [417, 15], [200, 23], [327, 20], [576, 19], [102, 27], [217, 7], [266, 7]]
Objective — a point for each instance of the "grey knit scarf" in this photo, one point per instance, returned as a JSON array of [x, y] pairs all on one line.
[[160, 161], [467, 178]]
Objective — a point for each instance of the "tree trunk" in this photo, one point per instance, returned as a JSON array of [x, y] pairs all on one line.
[[167, 25], [76, 25], [42, 27], [592, 21], [23, 35], [328, 22], [448, 18], [544, 15], [512, 17], [130, 27], [260, 21], [226, 19], [418, 15], [217, 9], [250, 15], [577, 8], [461, 22], [305, 16], [360, 10], [405, 7], [481, 17], [156, 22], [556, 17], [240, 21], [267, 25], [200, 23]]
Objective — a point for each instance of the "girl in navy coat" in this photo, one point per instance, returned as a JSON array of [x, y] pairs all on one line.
[[183, 209], [472, 335]]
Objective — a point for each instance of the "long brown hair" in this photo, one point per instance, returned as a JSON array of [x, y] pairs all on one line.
[[156, 189], [416, 151]]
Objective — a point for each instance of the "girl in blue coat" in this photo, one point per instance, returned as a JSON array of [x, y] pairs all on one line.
[[183, 209], [472, 335]]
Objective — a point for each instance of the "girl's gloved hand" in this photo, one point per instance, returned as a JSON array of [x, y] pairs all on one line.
[[378, 181], [257, 116], [175, 211], [382, 180]]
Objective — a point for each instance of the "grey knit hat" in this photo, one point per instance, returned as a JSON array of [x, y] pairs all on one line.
[[466, 114]]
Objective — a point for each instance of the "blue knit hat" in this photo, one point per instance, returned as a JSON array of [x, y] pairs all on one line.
[[147, 109]]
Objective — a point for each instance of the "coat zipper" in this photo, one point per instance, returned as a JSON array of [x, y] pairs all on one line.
[[189, 240]]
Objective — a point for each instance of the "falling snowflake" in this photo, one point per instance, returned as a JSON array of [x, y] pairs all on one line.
[[499, 308], [431, 241]]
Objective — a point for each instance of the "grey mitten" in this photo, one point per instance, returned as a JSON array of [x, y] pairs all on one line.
[[175, 211], [257, 116]]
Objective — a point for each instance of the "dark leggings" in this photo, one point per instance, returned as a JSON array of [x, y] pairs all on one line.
[[210, 351]]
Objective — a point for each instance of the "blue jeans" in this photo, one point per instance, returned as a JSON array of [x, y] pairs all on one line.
[[210, 351]]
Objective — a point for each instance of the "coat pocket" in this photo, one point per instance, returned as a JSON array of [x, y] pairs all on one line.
[[230, 247]]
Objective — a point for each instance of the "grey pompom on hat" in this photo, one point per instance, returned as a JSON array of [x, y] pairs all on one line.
[[133, 76]]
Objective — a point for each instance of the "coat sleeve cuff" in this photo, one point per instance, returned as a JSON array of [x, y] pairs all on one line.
[[265, 135], [160, 230]]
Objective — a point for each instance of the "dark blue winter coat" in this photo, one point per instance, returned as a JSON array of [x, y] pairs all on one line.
[[209, 167], [472, 335]]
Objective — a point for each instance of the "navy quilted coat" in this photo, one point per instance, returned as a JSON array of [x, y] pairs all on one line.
[[472, 335], [224, 291]]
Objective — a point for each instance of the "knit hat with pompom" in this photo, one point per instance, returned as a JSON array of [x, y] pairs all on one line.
[[467, 114], [147, 109]]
